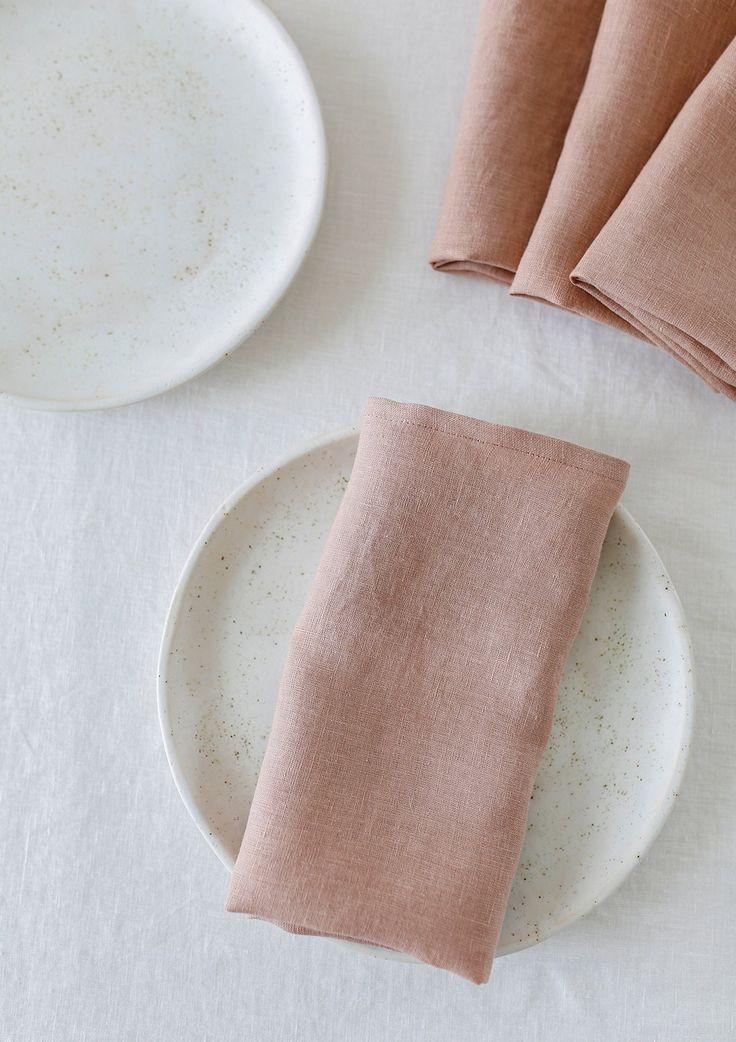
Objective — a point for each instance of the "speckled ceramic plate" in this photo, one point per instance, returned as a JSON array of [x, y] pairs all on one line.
[[162, 172], [621, 730]]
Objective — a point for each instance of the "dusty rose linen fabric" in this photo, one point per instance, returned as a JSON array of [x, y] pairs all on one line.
[[666, 260], [526, 73], [648, 59], [649, 56], [420, 683]]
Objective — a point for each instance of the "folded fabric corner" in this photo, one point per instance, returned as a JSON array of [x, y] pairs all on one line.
[[526, 72], [666, 259]]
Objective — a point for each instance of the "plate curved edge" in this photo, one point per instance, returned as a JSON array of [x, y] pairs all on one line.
[[239, 336]]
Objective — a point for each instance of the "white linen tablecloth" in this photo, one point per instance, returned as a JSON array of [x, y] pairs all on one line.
[[111, 920]]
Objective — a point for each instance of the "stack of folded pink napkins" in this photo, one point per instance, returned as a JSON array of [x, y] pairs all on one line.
[[595, 168]]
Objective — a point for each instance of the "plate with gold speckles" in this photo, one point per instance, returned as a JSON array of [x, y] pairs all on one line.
[[621, 731], [162, 171]]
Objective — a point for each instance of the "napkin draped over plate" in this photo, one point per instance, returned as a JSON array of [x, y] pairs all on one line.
[[595, 168], [420, 683]]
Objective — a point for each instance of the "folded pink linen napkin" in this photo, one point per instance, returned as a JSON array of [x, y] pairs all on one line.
[[420, 683], [526, 73]]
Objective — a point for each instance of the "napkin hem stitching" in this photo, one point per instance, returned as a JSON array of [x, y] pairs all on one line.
[[500, 445]]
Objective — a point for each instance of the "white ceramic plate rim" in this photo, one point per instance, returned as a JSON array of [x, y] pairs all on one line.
[[616, 878], [224, 347]]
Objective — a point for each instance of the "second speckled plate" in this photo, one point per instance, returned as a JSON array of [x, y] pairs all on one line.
[[621, 730], [162, 172]]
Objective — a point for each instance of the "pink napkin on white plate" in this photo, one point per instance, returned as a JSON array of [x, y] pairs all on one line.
[[420, 683]]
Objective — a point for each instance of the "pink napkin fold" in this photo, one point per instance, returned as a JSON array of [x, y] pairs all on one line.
[[420, 683], [666, 260], [526, 74], [641, 61]]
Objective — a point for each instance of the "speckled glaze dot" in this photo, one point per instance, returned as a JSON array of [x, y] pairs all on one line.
[[162, 171], [621, 730]]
